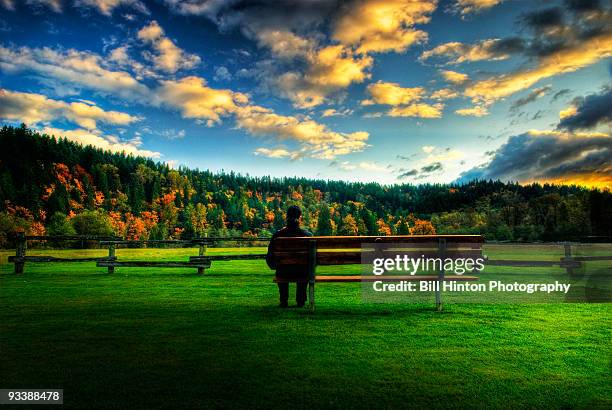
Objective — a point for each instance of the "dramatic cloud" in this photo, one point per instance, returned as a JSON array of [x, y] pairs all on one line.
[[316, 139], [167, 57], [563, 41], [330, 69], [105, 142], [588, 112], [550, 156], [36, 108], [196, 100], [456, 53], [383, 25], [76, 68], [323, 47], [568, 60]]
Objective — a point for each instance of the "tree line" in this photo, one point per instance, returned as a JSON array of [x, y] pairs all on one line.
[[57, 187]]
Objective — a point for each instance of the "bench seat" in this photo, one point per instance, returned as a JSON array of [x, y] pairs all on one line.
[[153, 264]]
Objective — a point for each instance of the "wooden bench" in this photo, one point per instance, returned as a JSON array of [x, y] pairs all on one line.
[[309, 252]]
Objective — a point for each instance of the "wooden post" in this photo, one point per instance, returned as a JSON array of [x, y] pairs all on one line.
[[20, 253], [568, 257], [312, 264], [111, 257], [441, 252], [201, 252]]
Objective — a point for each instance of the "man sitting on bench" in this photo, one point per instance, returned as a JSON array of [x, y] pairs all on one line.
[[297, 273]]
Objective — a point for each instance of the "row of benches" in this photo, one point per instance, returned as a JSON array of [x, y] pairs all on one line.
[[308, 252]]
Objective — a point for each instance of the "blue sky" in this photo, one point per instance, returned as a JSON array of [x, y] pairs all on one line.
[[399, 91]]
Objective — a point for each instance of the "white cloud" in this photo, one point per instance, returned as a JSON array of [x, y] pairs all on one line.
[[77, 68], [105, 142], [167, 57], [222, 74], [35, 108]]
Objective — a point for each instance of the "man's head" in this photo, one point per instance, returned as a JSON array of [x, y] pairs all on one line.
[[293, 215]]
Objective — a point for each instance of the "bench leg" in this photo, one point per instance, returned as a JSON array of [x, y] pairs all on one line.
[[311, 296], [438, 295], [202, 252], [440, 282]]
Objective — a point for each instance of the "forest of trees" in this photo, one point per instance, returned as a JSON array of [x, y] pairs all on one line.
[[54, 186]]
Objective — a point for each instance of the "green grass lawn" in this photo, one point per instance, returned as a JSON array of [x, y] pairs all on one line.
[[145, 338]]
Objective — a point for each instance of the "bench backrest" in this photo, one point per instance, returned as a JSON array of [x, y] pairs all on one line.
[[344, 250]]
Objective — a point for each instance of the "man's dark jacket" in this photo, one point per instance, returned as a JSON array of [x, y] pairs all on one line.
[[288, 272]]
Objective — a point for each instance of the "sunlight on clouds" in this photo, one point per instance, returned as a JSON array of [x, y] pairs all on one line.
[[476, 111], [465, 7], [196, 100], [564, 61], [444, 94], [330, 69], [105, 142], [420, 110], [454, 77], [383, 25], [457, 53], [316, 139], [392, 94], [35, 108], [168, 56], [404, 100], [568, 112], [273, 153]]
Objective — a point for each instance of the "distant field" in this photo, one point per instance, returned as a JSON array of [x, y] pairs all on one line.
[[142, 338]]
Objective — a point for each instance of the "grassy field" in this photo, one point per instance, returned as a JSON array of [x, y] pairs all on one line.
[[145, 338]]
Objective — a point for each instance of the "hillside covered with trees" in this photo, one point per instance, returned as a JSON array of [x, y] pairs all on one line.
[[51, 186]]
